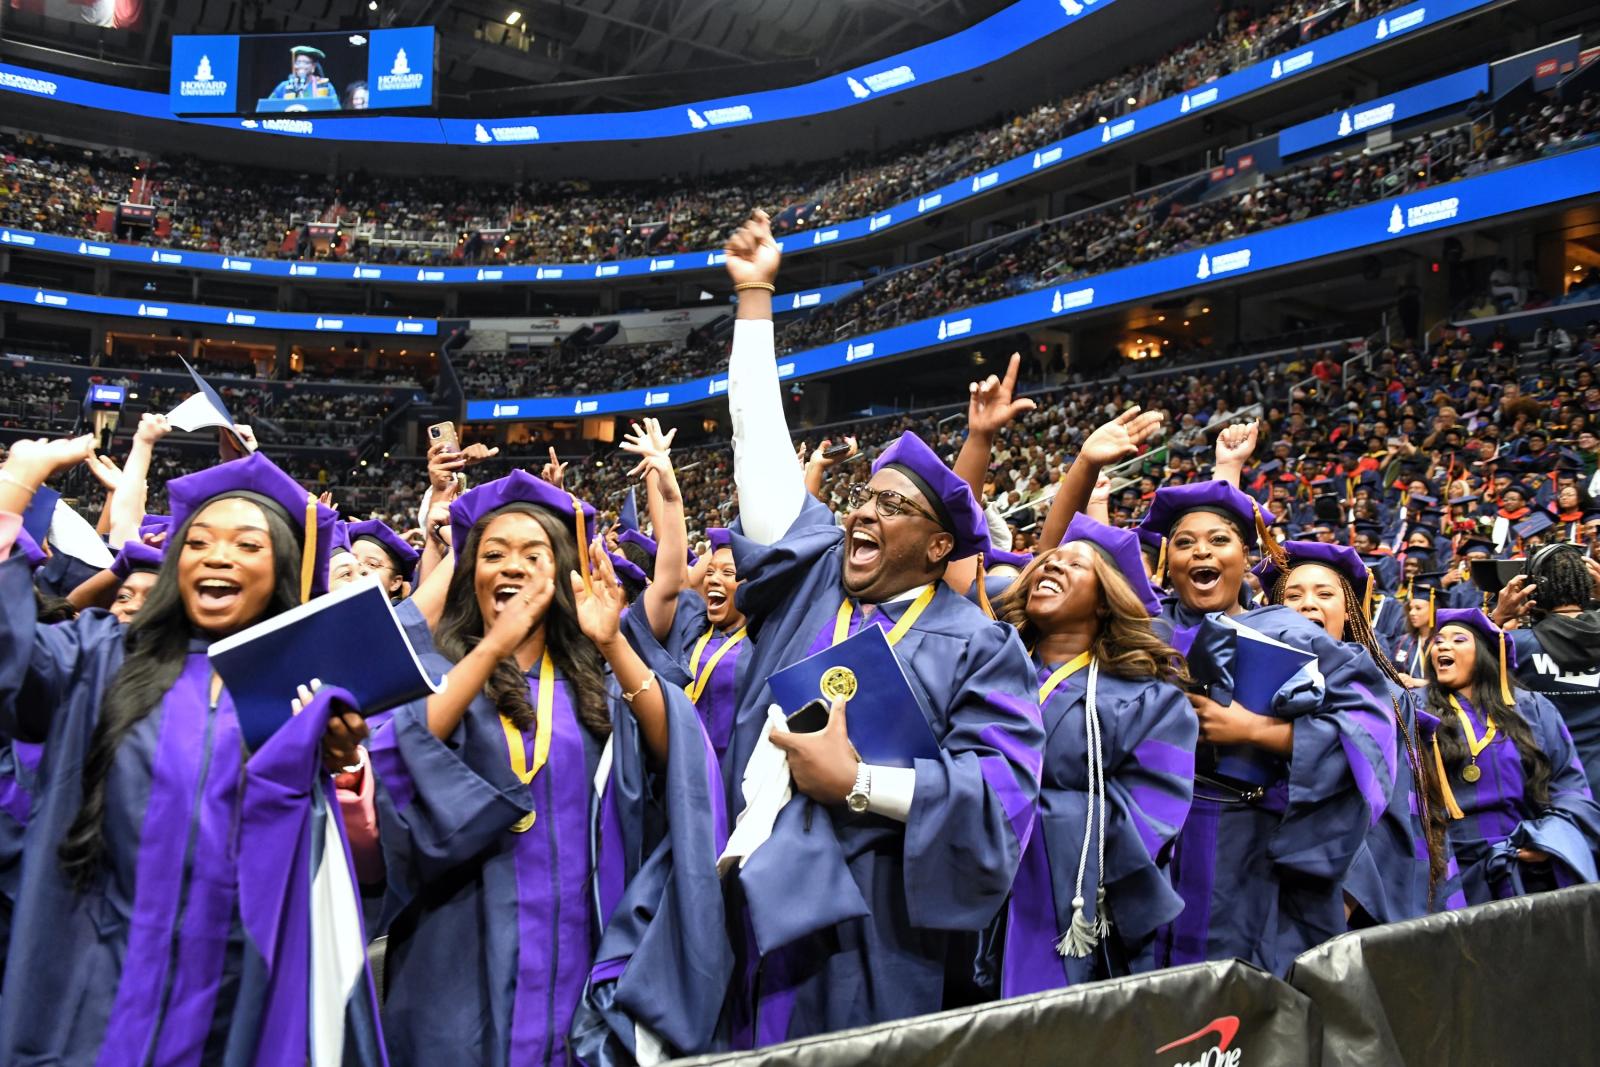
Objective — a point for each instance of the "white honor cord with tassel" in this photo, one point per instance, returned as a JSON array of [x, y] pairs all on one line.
[[1082, 935]]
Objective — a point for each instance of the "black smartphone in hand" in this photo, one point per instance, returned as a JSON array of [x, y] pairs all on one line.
[[810, 719]]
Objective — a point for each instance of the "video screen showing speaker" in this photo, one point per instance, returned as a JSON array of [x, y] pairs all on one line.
[[266, 74]]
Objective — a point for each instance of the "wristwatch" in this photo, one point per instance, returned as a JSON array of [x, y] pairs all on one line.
[[861, 793]]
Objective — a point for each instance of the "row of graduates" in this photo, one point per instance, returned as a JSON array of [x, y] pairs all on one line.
[[600, 843]]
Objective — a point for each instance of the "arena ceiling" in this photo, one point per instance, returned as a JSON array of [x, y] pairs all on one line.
[[513, 56]]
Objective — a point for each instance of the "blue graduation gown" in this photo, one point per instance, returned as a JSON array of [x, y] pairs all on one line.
[[1576, 696], [1388, 620], [672, 658], [1499, 820], [156, 956], [1148, 733], [19, 765], [1388, 880], [846, 919], [1261, 881], [493, 922], [1410, 654]]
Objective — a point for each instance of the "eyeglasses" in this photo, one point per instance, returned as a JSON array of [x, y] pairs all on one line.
[[890, 503]]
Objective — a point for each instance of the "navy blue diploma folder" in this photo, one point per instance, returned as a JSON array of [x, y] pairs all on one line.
[[887, 722], [350, 638], [1241, 665]]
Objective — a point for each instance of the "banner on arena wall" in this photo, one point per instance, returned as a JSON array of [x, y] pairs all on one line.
[[1385, 111], [108, 14], [151, 311], [1530, 185], [1507, 982], [1226, 1014], [1356, 39]]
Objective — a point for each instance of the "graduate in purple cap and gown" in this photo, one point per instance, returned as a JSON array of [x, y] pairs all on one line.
[[1260, 863], [1118, 775], [164, 914], [1404, 868], [873, 877], [381, 553], [1522, 818], [514, 806]]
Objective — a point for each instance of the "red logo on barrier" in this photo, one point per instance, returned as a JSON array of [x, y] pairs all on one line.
[[1226, 1027], [1546, 68]]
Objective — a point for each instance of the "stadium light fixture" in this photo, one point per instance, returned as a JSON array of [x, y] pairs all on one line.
[[513, 18], [372, 5]]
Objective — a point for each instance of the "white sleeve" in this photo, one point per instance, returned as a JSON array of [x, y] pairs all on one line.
[[772, 487], [999, 532], [891, 792], [422, 510]]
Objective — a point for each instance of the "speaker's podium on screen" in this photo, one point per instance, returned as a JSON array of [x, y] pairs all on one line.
[[268, 105]]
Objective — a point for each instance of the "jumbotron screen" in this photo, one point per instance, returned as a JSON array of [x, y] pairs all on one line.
[[268, 74]]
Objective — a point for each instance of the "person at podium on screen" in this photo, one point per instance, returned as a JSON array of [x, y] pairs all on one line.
[[306, 80]]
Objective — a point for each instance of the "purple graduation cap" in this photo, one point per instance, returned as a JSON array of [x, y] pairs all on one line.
[[401, 554], [949, 497], [341, 538], [1173, 502], [258, 479], [1475, 619], [154, 524], [626, 568], [136, 556], [999, 557], [1346, 561], [648, 543], [1121, 549], [475, 505], [719, 537]]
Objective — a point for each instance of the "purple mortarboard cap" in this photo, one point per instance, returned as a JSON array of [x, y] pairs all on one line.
[[626, 568], [40, 512], [29, 549], [948, 496], [341, 538], [1149, 539], [1121, 549], [1172, 502], [517, 487], [1475, 619], [136, 556], [999, 557], [154, 524], [719, 537], [1536, 523], [257, 477], [1347, 561], [403, 555]]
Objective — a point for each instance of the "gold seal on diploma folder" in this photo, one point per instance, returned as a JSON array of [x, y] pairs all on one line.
[[838, 682]]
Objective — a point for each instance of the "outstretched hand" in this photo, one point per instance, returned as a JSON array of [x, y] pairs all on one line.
[[555, 471], [653, 448], [600, 603], [1237, 443], [753, 255], [1120, 438], [991, 405]]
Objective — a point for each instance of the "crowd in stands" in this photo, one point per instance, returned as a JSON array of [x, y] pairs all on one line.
[[1105, 238], [214, 207]]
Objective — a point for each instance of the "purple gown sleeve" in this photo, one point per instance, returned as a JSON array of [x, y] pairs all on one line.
[[974, 807], [1569, 829], [1342, 766], [1148, 793]]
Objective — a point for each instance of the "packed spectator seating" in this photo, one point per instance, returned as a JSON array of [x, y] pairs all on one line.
[[214, 207], [1138, 229]]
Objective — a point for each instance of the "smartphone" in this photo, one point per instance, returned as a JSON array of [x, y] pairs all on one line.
[[444, 433], [835, 451], [810, 719]]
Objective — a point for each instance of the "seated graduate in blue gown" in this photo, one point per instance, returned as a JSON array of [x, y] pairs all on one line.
[[1558, 655], [143, 920], [1522, 818], [1118, 766], [874, 877], [1260, 864], [514, 806], [1404, 869]]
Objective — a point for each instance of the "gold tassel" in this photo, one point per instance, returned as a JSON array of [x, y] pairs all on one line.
[[1450, 804], [1433, 621], [308, 556], [1366, 601], [1505, 677], [1270, 548], [583, 544], [983, 591]]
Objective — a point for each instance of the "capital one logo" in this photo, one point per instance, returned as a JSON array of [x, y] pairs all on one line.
[[1222, 1054]]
